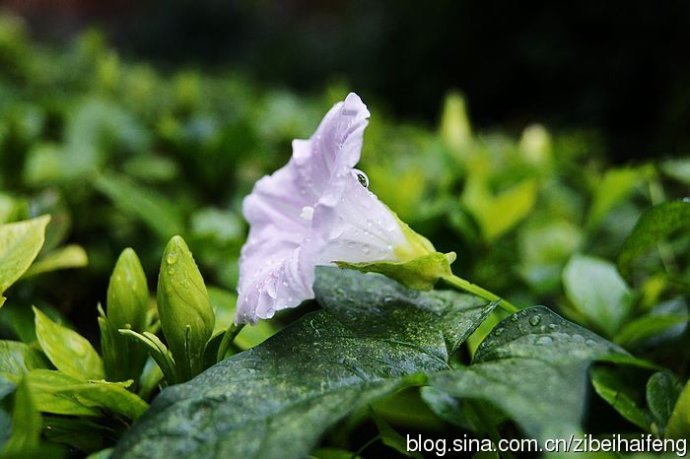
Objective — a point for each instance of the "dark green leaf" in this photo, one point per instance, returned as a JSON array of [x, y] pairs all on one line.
[[617, 391], [275, 400], [391, 438], [654, 226], [70, 352], [533, 366], [19, 244], [26, 421], [663, 390]]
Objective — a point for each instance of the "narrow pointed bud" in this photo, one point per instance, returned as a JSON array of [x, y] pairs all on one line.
[[128, 293], [184, 308]]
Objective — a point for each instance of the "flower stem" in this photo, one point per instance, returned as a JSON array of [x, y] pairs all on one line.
[[467, 286], [230, 334]]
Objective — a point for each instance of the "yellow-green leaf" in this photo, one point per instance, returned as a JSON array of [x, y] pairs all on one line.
[[70, 352], [19, 244]]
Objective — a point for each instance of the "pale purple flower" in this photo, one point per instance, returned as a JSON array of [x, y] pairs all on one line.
[[314, 211]]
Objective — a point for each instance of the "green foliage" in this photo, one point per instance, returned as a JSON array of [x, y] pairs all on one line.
[[533, 366], [121, 155], [373, 338]]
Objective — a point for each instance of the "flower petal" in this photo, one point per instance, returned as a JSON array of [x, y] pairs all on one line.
[[351, 224], [335, 145]]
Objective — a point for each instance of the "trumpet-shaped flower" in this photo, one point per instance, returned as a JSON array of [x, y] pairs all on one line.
[[316, 210]]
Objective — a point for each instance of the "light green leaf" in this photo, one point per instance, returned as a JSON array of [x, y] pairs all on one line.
[[663, 390], [19, 244], [617, 391], [67, 350], [17, 359], [275, 400], [654, 226], [500, 213], [533, 366], [58, 393], [154, 210], [46, 387], [679, 423], [71, 256], [615, 186], [597, 291], [26, 422], [420, 273]]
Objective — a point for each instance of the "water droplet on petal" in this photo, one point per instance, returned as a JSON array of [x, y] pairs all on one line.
[[171, 259], [361, 178], [535, 320]]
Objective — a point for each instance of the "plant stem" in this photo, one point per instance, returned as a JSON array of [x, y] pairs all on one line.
[[467, 286], [230, 334]]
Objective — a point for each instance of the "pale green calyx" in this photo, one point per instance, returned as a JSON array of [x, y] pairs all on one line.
[[186, 316]]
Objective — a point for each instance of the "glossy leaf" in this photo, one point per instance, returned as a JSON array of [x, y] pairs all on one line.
[[275, 400], [533, 366], [70, 352], [19, 244]]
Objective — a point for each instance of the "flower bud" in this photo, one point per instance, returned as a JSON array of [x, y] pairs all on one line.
[[184, 308], [128, 293]]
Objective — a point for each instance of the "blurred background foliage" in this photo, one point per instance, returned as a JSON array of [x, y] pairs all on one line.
[[617, 67]]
